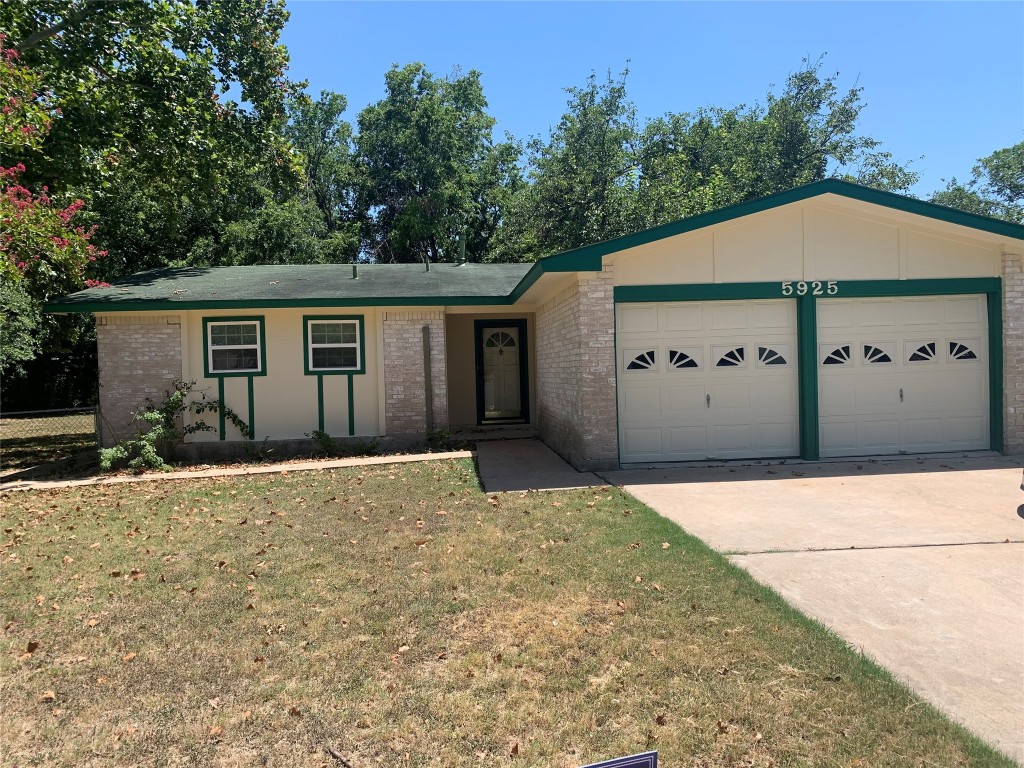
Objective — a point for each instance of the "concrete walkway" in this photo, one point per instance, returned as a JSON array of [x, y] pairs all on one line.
[[249, 469], [527, 465], [917, 563]]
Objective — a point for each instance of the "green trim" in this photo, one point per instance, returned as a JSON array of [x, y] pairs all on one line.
[[847, 289], [796, 195], [220, 399], [252, 411], [699, 292], [307, 319], [351, 406], [945, 286], [995, 369], [570, 261], [368, 301], [807, 376], [320, 402], [206, 346]]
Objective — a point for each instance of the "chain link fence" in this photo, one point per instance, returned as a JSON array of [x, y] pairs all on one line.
[[31, 438]]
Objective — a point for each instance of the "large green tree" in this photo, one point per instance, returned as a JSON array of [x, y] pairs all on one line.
[[171, 107], [996, 187], [599, 175], [695, 162], [431, 178], [583, 178]]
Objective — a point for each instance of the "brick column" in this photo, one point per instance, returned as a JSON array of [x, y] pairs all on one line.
[[139, 358], [576, 399], [1013, 353], [404, 383], [599, 411]]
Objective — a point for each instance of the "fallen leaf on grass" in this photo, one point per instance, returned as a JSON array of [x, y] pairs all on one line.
[[129, 656], [216, 731], [215, 702], [661, 719], [514, 752], [294, 712], [48, 696], [31, 647], [93, 622], [665, 545]]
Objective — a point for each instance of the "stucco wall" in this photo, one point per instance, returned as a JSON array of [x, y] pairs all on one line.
[[405, 399], [576, 372], [812, 241], [285, 402], [1013, 352], [460, 345], [139, 358]]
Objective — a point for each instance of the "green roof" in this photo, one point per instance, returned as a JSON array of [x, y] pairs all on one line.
[[301, 285], [332, 285]]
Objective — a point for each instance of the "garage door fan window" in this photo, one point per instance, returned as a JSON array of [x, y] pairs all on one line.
[[960, 351], [642, 362]]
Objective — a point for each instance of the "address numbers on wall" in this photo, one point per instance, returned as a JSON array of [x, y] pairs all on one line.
[[813, 287]]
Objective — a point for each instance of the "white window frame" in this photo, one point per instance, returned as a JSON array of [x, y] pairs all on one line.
[[210, 347], [310, 346]]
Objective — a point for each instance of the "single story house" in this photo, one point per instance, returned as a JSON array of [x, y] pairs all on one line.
[[829, 320]]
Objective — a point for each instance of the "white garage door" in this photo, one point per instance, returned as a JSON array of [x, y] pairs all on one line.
[[707, 380], [903, 375]]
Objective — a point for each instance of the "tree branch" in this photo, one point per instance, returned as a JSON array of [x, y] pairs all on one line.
[[45, 34]]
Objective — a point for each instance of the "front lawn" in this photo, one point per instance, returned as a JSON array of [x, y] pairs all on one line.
[[401, 617]]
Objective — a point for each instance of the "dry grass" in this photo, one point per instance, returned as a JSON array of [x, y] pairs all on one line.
[[401, 616]]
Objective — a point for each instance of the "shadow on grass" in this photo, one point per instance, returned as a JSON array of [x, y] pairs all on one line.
[[25, 452]]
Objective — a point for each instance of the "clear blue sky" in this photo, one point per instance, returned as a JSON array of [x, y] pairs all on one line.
[[943, 81]]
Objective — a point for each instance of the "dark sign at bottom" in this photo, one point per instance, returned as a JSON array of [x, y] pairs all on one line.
[[646, 760]]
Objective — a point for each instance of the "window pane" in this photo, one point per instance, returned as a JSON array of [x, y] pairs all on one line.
[[334, 357], [332, 333], [233, 335], [235, 360]]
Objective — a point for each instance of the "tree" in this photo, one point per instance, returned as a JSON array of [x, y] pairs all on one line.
[[584, 177], [996, 187], [692, 163], [430, 174], [172, 107], [44, 249]]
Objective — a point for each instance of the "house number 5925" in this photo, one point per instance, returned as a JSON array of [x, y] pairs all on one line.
[[814, 287]]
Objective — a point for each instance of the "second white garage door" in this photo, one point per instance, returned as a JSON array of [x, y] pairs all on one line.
[[903, 375], [707, 380]]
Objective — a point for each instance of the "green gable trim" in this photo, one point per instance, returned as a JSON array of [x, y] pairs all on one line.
[[796, 195]]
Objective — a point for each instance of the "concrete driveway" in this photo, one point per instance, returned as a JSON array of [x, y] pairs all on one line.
[[917, 562]]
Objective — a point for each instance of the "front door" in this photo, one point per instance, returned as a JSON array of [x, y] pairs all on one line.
[[501, 372]]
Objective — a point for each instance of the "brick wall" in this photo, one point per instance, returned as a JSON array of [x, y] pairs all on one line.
[[1013, 352], [404, 383], [576, 373], [139, 358]]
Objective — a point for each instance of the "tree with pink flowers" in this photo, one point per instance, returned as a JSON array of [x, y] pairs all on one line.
[[45, 249]]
